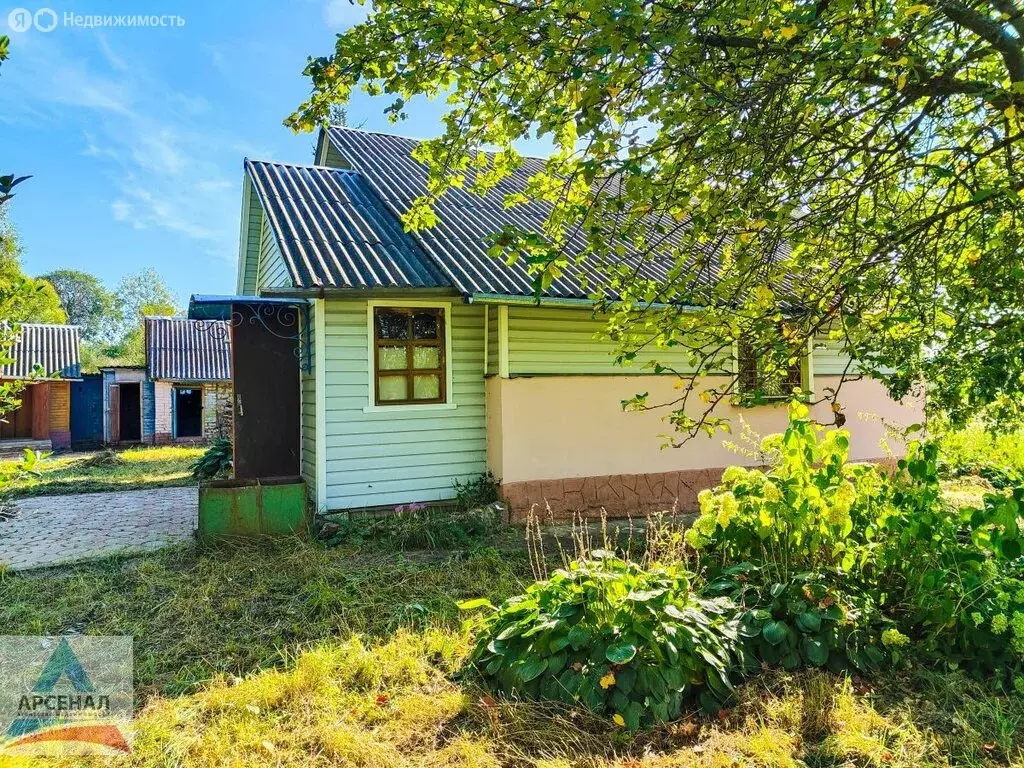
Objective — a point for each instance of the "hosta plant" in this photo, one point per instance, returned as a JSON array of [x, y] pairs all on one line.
[[802, 622], [630, 643]]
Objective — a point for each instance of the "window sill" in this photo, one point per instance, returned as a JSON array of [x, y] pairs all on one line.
[[409, 408]]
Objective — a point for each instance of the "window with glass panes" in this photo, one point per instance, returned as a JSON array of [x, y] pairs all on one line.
[[409, 355]]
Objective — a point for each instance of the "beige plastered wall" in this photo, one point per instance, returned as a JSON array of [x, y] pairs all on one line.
[[555, 427]]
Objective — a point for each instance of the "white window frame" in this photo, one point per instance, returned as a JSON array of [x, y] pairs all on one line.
[[371, 363]]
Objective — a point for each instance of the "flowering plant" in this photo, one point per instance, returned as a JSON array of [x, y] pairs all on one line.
[[797, 515]]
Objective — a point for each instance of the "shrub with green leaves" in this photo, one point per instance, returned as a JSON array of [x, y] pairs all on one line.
[[630, 643], [216, 461], [904, 560], [802, 622], [800, 514]]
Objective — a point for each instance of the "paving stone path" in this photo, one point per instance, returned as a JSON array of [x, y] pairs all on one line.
[[49, 530]]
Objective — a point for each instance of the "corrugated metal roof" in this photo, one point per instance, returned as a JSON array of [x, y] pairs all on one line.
[[54, 348], [188, 350], [334, 232], [458, 242]]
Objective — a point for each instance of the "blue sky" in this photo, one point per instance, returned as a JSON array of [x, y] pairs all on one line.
[[135, 136]]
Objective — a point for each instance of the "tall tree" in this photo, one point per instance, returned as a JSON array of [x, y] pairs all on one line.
[[137, 295], [84, 299], [806, 167], [38, 302]]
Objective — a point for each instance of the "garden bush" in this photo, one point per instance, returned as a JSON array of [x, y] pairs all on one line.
[[630, 643], [803, 622], [907, 562], [216, 461], [813, 561]]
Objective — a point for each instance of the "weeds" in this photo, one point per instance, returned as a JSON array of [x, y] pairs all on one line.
[[416, 526], [199, 611], [399, 705], [479, 492]]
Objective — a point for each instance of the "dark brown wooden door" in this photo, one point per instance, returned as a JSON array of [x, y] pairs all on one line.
[[265, 369], [115, 413]]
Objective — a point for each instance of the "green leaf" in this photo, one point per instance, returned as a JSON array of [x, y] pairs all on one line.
[[532, 668], [809, 622], [816, 651], [480, 602], [579, 637], [620, 653], [632, 716], [625, 679], [774, 632], [1010, 548]]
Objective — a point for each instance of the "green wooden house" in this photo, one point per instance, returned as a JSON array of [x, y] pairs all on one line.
[[431, 362]]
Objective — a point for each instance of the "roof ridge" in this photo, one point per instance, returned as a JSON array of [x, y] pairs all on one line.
[[416, 138], [48, 325], [314, 166]]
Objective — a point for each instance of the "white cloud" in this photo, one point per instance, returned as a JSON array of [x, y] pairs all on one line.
[[169, 169], [121, 209]]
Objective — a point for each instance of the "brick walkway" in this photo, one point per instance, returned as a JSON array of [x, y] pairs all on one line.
[[55, 529]]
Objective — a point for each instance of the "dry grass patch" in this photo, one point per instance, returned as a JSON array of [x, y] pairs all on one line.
[[403, 704]]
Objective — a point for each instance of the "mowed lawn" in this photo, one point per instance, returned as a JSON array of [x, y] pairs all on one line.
[[290, 654], [121, 470]]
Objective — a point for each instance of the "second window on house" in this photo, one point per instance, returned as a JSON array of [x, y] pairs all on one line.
[[409, 355], [755, 382]]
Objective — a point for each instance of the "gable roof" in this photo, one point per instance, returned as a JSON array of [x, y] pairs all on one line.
[[458, 242], [342, 228], [178, 349], [53, 348], [333, 231]]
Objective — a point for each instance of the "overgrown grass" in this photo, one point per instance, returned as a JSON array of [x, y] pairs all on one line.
[[129, 469], [403, 703], [289, 654], [196, 611], [975, 450]]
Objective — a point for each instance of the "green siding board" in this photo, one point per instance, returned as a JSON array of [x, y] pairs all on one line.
[[381, 457], [544, 340], [493, 350], [273, 273], [830, 359], [549, 341], [251, 255], [333, 158]]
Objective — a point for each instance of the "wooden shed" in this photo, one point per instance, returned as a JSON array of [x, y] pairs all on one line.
[[48, 359]]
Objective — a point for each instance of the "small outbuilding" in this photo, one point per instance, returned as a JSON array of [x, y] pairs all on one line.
[[46, 357], [182, 394]]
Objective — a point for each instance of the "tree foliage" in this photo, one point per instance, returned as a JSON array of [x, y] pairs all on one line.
[[807, 167], [38, 301], [84, 299], [122, 337]]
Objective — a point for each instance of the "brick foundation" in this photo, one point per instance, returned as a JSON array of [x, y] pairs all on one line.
[[619, 495], [615, 495]]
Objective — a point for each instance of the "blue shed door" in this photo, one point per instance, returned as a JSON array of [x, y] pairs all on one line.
[[87, 409]]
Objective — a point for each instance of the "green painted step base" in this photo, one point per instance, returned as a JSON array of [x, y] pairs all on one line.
[[274, 506]]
